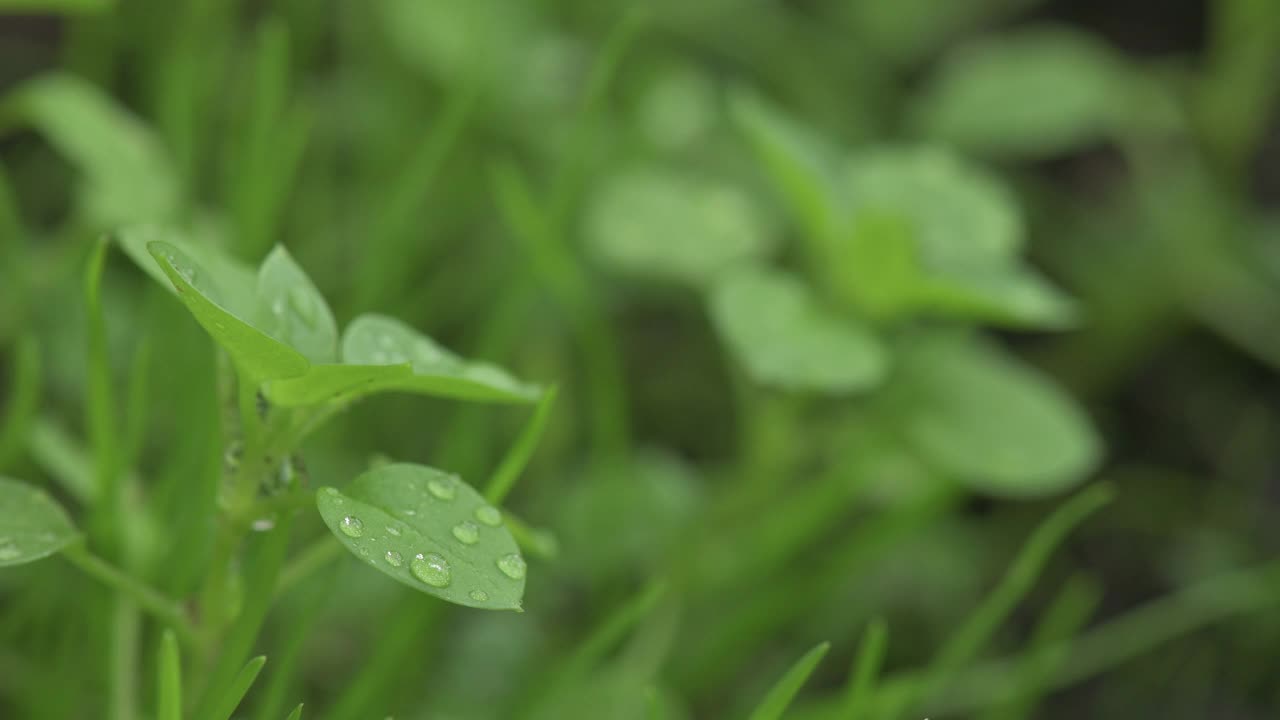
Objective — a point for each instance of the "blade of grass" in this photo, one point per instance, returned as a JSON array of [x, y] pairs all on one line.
[[234, 694], [24, 400], [779, 697], [1048, 647], [974, 633], [99, 415], [296, 714], [866, 668], [149, 599], [169, 678], [514, 462]]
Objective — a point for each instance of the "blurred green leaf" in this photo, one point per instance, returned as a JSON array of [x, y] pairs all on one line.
[[430, 531], [379, 340], [992, 423], [58, 6], [128, 174], [1033, 92], [32, 524], [664, 224], [781, 695], [292, 310], [254, 352], [775, 328], [169, 678]]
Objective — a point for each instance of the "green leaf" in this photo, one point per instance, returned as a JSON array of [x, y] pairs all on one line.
[[793, 159], [773, 325], [296, 714], [429, 530], [32, 524], [1030, 93], [259, 355], [380, 340], [780, 695], [235, 280], [292, 310], [169, 678], [961, 215], [659, 223], [1008, 295], [231, 699], [325, 383], [128, 174], [988, 420]]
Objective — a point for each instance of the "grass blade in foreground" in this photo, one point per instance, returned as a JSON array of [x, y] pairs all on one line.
[[234, 694], [430, 531], [862, 682], [32, 525], [782, 693], [169, 679]]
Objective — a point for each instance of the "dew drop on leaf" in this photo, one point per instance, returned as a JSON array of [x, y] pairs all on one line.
[[9, 552], [393, 531], [489, 515], [431, 569], [512, 566], [351, 526], [467, 532], [479, 595], [442, 489], [394, 559]]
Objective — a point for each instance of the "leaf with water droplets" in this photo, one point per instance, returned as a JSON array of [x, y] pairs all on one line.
[[380, 340], [292, 310], [775, 327], [255, 352], [32, 524], [204, 244], [429, 530], [988, 420]]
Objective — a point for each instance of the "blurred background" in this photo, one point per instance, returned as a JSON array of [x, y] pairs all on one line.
[[843, 299]]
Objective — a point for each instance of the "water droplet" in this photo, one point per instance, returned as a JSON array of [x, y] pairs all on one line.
[[351, 526], [277, 308], [512, 566], [479, 595], [364, 552], [9, 552], [263, 524], [386, 342], [442, 488], [410, 513], [431, 569], [467, 532], [394, 559], [489, 515], [393, 531]]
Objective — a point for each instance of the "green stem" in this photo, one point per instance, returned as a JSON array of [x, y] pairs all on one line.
[[321, 553], [153, 601]]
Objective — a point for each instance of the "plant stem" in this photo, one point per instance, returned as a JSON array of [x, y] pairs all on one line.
[[148, 598]]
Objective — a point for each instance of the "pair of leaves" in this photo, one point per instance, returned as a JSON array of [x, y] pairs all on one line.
[[278, 329], [987, 420], [904, 230], [429, 530], [32, 524]]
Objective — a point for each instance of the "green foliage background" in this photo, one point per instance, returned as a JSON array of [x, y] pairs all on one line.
[[896, 359]]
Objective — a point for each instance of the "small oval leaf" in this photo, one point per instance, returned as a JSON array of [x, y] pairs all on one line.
[[292, 310], [429, 530], [256, 353], [32, 524], [659, 223], [987, 420], [773, 325], [380, 340]]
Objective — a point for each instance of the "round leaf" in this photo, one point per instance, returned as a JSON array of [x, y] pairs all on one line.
[[32, 524], [380, 340], [663, 224], [260, 355], [774, 327], [988, 420], [399, 514]]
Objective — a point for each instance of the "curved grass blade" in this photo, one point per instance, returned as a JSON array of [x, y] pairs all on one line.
[[32, 525], [239, 688], [774, 326], [779, 698], [504, 478], [23, 402], [381, 340], [296, 714], [429, 530], [259, 355], [865, 669]]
